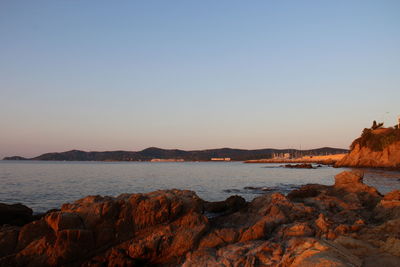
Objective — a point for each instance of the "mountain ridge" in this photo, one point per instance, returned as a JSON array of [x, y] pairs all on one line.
[[188, 155]]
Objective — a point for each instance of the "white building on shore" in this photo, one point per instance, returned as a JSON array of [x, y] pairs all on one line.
[[220, 159]]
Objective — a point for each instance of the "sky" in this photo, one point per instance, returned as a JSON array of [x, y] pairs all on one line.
[[126, 75]]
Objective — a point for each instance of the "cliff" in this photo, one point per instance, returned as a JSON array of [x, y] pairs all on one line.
[[375, 148], [347, 224]]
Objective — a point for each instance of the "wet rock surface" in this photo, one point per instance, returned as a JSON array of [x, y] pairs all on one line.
[[347, 224]]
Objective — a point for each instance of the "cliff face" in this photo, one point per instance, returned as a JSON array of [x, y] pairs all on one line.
[[375, 148], [365, 157]]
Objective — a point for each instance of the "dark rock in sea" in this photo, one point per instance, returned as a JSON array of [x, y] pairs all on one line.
[[15, 214], [263, 189], [231, 190], [347, 224], [299, 166]]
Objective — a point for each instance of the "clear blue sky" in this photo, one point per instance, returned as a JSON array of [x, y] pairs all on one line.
[[107, 75]]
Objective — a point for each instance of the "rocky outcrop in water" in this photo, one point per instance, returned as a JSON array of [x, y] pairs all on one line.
[[300, 166], [347, 224]]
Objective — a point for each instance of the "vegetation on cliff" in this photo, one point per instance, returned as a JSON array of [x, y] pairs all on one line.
[[377, 138]]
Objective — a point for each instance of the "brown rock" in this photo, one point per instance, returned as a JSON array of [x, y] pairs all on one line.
[[31, 232], [346, 179], [262, 228], [168, 228], [304, 252], [342, 229], [299, 230], [252, 253], [8, 240], [64, 220], [163, 224], [357, 247], [352, 182], [230, 205], [392, 196], [391, 246], [306, 191], [15, 214], [218, 237], [389, 207], [322, 224], [270, 211], [385, 260]]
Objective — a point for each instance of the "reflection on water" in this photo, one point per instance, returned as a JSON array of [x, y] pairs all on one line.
[[384, 181], [46, 185]]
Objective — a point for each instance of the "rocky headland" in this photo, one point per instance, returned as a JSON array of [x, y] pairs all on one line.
[[375, 148], [347, 224]]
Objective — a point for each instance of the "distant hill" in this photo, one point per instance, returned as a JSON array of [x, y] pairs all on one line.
[[192, 155], [15, 158]]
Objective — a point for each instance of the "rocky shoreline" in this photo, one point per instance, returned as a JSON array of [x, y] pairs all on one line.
[[347, 224]]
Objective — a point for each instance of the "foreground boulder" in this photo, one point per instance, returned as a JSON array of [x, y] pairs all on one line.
[[16, 214], [158, 227], [347, 224]]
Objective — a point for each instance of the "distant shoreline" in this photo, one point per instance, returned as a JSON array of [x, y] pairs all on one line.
[[325, 159], [159, 154]]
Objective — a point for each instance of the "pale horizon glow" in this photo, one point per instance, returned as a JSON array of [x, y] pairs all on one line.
[[101, 76]]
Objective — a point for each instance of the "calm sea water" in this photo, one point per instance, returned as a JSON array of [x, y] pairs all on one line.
[[45, 185]]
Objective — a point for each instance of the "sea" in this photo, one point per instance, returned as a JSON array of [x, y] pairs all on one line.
[[45, 185]]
